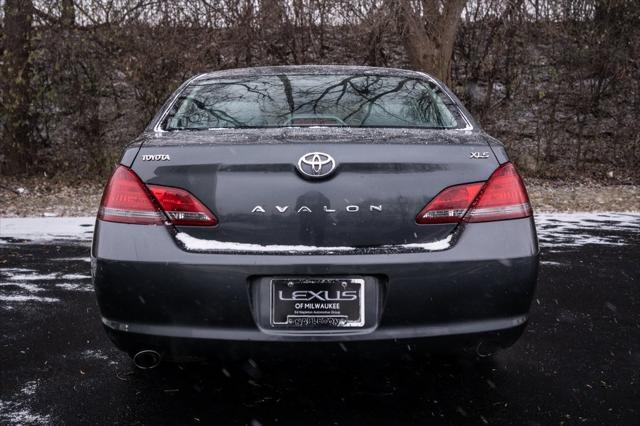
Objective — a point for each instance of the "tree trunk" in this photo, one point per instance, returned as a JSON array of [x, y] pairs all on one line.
[[428, 29], [68, 14], [18, 145]]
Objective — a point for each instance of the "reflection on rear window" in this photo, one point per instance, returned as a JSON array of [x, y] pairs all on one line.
[[313, 100]]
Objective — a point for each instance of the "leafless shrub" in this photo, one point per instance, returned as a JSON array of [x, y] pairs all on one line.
[[557, 80]]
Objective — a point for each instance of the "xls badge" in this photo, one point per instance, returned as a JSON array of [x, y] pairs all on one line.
[[316, 164], [479, 155]]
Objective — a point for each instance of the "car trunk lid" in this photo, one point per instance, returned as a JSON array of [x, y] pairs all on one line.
[[250, 179]]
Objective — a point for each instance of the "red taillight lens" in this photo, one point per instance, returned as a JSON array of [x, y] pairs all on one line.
[[450, 205], [127, 199], [503, 196], [181, 207]]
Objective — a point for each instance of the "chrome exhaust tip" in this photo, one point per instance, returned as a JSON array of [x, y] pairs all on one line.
[[147, 359]]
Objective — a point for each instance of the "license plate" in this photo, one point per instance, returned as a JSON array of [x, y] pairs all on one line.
[[317, 303]]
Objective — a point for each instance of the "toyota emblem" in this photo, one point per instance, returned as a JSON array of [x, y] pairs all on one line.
[[316, 164]]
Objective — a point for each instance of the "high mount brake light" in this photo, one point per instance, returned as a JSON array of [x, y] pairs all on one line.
[[502, 197], [127, 199]]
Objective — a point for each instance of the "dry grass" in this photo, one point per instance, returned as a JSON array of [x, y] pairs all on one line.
[[43, 197], [591, 196]]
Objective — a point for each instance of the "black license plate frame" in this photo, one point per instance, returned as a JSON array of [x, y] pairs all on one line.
[[317, 303]]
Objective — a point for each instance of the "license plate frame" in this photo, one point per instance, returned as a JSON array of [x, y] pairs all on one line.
[[313, 305]]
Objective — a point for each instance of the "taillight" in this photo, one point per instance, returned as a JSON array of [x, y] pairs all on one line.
[[503, 196], [127, 199], [181, 207], [450, 205]]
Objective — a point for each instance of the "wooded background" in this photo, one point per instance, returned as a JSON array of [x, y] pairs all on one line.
[[558, 81]]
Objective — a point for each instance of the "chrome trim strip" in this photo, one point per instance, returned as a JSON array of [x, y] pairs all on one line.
[[129, 213], [512, 208]]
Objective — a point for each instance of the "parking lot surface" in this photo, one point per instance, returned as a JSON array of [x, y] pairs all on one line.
[[578, 361]]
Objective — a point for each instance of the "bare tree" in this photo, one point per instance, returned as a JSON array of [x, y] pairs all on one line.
[[68, 14], [558, 78], [428, 29], [18, 145]]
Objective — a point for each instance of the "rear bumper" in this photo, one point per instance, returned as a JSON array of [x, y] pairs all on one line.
[[149, 288], [386, 333], [184, 349]]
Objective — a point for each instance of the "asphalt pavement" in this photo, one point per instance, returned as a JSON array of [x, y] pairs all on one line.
[[577, 362]]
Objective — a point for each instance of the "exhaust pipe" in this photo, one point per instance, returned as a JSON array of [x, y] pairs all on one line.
[[147, 359], [486, 350]]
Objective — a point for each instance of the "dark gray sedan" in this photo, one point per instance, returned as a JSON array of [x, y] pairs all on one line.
[[313, 204]]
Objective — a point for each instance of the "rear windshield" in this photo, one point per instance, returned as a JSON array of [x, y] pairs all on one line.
[[313, 100]]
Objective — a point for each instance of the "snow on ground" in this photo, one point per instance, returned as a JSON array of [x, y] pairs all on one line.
[[17, 411], [74, 287], [21, 285], [22, 298], [94, 354], [98, 355], [578, 229], [46, 228], [71, 259], [75, 277], [551, 263], [31, 277], [31, 288]]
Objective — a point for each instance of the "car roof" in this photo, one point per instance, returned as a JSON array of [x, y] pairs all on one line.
[[310, 70]]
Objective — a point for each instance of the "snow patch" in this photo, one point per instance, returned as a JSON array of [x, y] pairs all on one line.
[[31, 288], [46, 228], [31, 277], [20, 287], [197, 244], [72, 259], [17, 411], [24, 298], [433, 246], [12, 270], [75, 277], [30, 388], [551, 263], [74, 287], [578, 229], [94, 354]]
